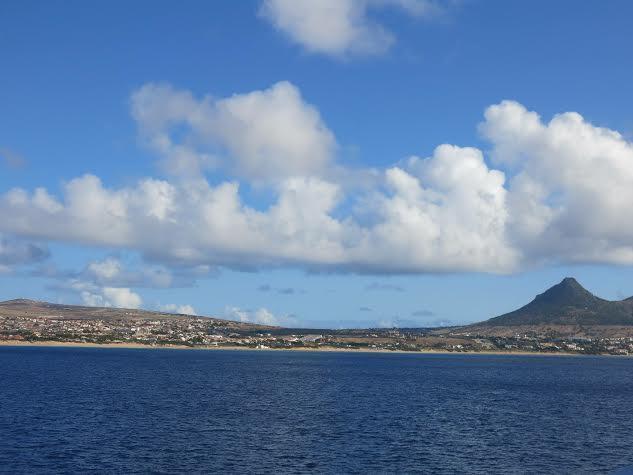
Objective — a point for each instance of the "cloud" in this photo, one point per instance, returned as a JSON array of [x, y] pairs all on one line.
[[107, 282], [91, 293], [180, 309], [112, 272], [105, 270], [569, 197], [338, 27], [17, 252], [447, 210], [381, 286], [365, 309], [260, 316], [548, 192], [107, 296], [443, 213], [262, 135]]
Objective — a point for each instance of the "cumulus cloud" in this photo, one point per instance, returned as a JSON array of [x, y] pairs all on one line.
[[338, 27], [107, 282], [570, 197], [93, 295], [261, 316], [180, 309], [413, 229], [556, 191], [105, 270], [262, 135], [118, 297], [122, 297]]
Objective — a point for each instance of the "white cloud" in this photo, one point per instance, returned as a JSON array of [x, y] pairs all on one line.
[[262, 135], [237, 314], [338, 27], [93, 300], [106, 269], [566, 200], [210, 225], [122, 297], [261, 316], [264, 316], [95, 296], [441, 213], [181, 309], [570, 197], [99, 285]]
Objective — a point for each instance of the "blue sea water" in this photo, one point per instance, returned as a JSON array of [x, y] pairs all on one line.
[[76, 410]]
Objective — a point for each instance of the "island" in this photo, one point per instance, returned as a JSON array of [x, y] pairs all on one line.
[[565, 319]]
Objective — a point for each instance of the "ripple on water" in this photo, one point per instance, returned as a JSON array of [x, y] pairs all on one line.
[[121, 410]]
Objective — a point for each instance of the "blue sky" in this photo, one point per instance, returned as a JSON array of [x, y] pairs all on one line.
[[252, 159]]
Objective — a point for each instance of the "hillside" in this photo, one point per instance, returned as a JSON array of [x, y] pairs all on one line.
[[566, 318], [567, 303], [37, 309]]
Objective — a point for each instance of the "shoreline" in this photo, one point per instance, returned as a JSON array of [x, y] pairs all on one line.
[[140, 346]]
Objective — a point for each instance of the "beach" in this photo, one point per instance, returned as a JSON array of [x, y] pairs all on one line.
[[330, 349]]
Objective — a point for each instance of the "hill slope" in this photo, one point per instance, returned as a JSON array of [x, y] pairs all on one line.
[[567, 303], [34, 308]]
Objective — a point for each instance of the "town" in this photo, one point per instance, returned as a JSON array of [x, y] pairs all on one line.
[[202, 332]]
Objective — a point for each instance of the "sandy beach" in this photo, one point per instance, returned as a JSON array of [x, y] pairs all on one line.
[[237, 348]]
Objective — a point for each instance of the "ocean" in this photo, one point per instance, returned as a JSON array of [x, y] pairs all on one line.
[[78, 410]]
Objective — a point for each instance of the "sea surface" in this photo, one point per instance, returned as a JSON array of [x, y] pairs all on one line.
[[79, 410]]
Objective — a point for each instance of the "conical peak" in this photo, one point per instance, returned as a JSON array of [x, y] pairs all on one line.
[[568, 291], [570, 281], [568, 303]]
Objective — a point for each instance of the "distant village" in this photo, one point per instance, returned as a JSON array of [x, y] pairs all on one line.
[[212, 333]]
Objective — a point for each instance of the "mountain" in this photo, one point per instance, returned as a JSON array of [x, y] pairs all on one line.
[[567, 303]]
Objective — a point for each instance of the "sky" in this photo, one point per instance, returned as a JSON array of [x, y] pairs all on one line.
[[315, 163]]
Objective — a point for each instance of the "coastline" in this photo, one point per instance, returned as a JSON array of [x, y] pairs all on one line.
[[140, 346]]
